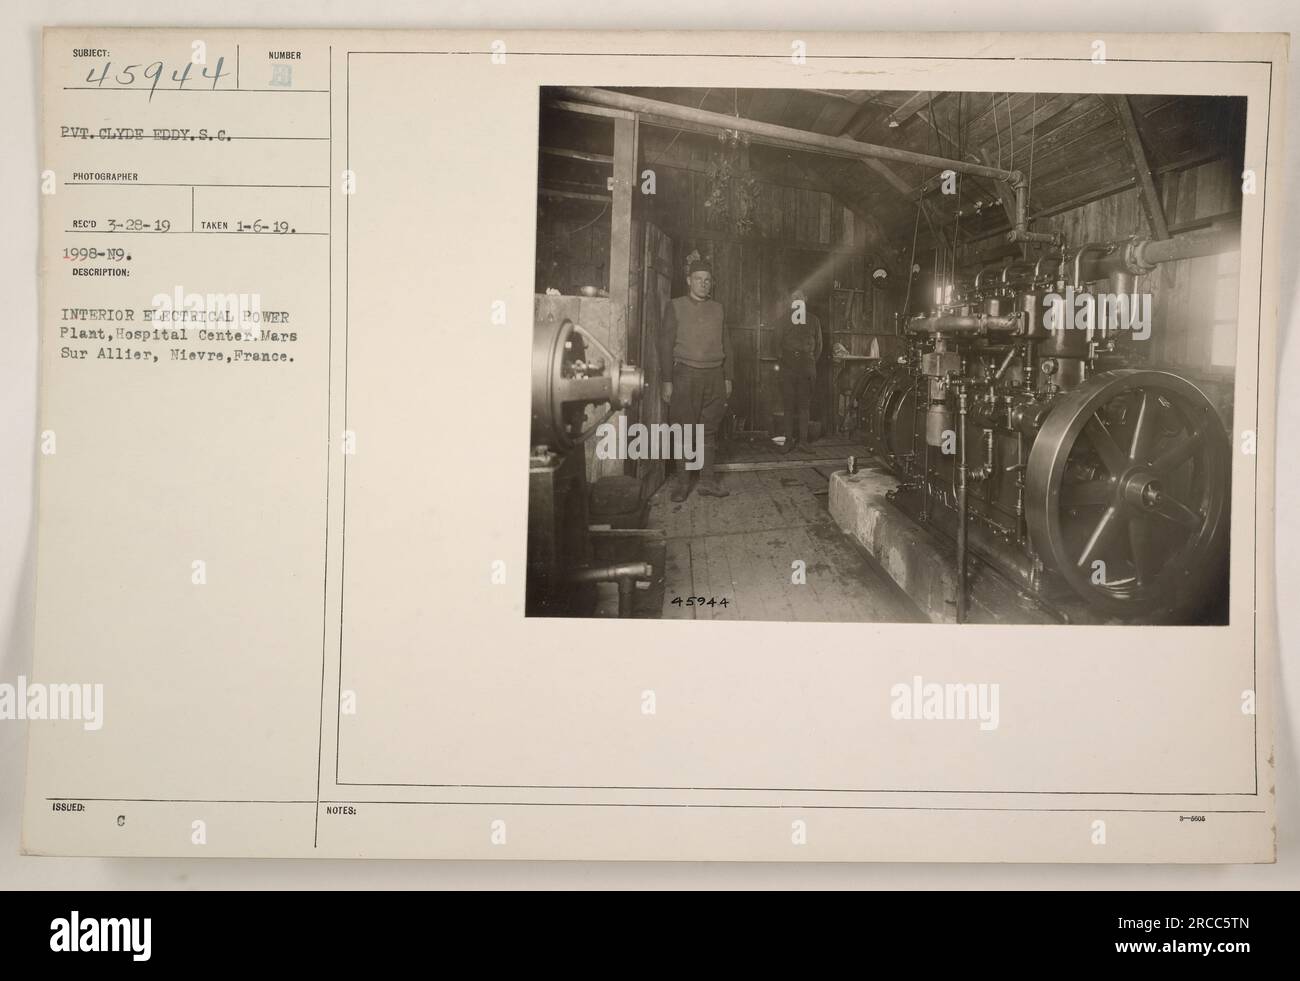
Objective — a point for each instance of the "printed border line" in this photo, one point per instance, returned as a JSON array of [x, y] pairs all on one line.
[[1258, 361], [844, 57], [329, 404], [762, 807], [347, 334], [811, 790]]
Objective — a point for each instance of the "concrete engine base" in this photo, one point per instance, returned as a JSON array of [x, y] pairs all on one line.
[[923, 565]]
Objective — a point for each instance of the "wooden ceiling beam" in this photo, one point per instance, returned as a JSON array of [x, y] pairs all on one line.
[[882, 169], [908, 109], [820, 143], [1147, 192], [599, 158]]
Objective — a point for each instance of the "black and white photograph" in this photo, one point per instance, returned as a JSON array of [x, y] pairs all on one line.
[[887, 356], [904, 398]]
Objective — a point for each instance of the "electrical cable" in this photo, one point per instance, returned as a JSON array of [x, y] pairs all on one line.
[[911, 264]]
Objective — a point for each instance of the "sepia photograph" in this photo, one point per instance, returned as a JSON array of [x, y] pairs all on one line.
[[889, 356]]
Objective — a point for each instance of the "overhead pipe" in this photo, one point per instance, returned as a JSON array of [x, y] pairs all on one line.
[[1020, 223], [1141, 255], [1121, 260], [1138, 256], [784, 135]]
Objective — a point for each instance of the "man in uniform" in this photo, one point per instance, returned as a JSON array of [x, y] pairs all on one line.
[[799, 345], [695, 347]]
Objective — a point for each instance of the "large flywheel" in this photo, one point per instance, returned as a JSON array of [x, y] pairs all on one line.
[[1128, 487]]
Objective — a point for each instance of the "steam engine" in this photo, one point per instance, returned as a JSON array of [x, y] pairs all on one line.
[[1098, 485]]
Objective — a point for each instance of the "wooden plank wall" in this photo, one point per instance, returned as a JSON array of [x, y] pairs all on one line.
[[572, 245], [1189, 295], [801, 235]]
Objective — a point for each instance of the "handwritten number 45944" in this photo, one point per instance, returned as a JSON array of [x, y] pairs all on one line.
[[152, 74]]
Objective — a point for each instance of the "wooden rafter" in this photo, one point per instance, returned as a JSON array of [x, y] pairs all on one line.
[[909, 108], [1147, 191], [600, 158]]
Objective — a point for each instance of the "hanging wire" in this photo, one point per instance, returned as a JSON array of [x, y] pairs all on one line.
[[574, 231], [911, 263], [937, 137], [996, 127], [1033, 132], [1011, 133], [961, 150], [935, 233], [956, 225]]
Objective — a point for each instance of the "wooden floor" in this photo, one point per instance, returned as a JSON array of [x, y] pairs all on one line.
[[752, 454], [741, 548]]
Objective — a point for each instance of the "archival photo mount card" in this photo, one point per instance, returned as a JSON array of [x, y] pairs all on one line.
[[687, 446]]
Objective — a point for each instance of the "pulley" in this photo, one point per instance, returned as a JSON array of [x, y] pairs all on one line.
[[572, 370]]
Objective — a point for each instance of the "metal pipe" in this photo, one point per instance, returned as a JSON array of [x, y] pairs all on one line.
[[1006, 362], [1038, 266], [1136, 256], [1210, 241], [1018, 264], [1020, 220], [979, 276], [837, 144], [1019, 468], [625, 574], [1142, 255], [972, 324], [1133, 257], [961, 506], [925, 465], [1084, 249], [609, 573], [626, 594]]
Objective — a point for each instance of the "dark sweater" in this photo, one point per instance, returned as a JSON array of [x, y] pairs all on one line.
[[693, 333]]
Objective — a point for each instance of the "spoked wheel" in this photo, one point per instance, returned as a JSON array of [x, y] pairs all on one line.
[[899, 418], [869, 390], [1128, 484]]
